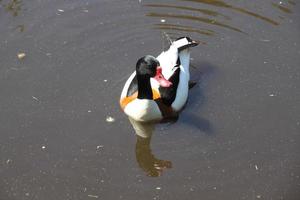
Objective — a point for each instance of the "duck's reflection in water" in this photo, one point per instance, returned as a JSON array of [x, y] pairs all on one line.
[[146, 160]]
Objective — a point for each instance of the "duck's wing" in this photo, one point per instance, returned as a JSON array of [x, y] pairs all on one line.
[[133, 86], [175, 64], [183, 82], [130, 86], [170, 59]]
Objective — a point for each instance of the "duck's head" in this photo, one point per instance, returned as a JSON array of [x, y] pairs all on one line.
[[148, 67]]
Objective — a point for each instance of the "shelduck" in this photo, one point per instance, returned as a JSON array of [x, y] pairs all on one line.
[[158, 88]]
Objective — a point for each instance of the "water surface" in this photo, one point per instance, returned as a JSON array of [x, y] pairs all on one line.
[[237, 138]]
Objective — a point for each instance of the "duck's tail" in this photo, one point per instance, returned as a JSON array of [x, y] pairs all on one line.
[[181, 46], [184, 43], [176, 55]]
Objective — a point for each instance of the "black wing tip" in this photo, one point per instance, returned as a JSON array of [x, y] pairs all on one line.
[[191, 43]]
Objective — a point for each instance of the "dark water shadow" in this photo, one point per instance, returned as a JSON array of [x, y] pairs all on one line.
[[200, 73], [192, 120]]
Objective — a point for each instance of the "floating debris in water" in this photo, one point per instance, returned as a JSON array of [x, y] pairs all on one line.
[[100, 146], [43, 147], [8, 161], [21, 28], [265, 40], [110, 119], [89, 111], [158, 188], [86, 11], [256, 168], [35, 98], [104, 80], [162, 20], [93, 196], [272, 95], [59, 11], [21, 55]]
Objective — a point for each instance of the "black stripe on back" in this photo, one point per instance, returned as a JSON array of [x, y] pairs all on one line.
[[168, 94]]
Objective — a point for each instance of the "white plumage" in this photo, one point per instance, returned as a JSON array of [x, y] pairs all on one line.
[[147, 109]]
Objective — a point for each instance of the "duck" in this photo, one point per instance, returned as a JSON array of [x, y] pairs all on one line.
[[158, 88]]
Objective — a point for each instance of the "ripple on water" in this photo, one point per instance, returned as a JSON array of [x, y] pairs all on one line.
[[209, 17]]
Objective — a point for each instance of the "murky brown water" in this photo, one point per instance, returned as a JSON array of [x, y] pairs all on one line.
[[63, 135]]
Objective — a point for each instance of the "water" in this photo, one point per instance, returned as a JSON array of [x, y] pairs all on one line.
[[238, 137]]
